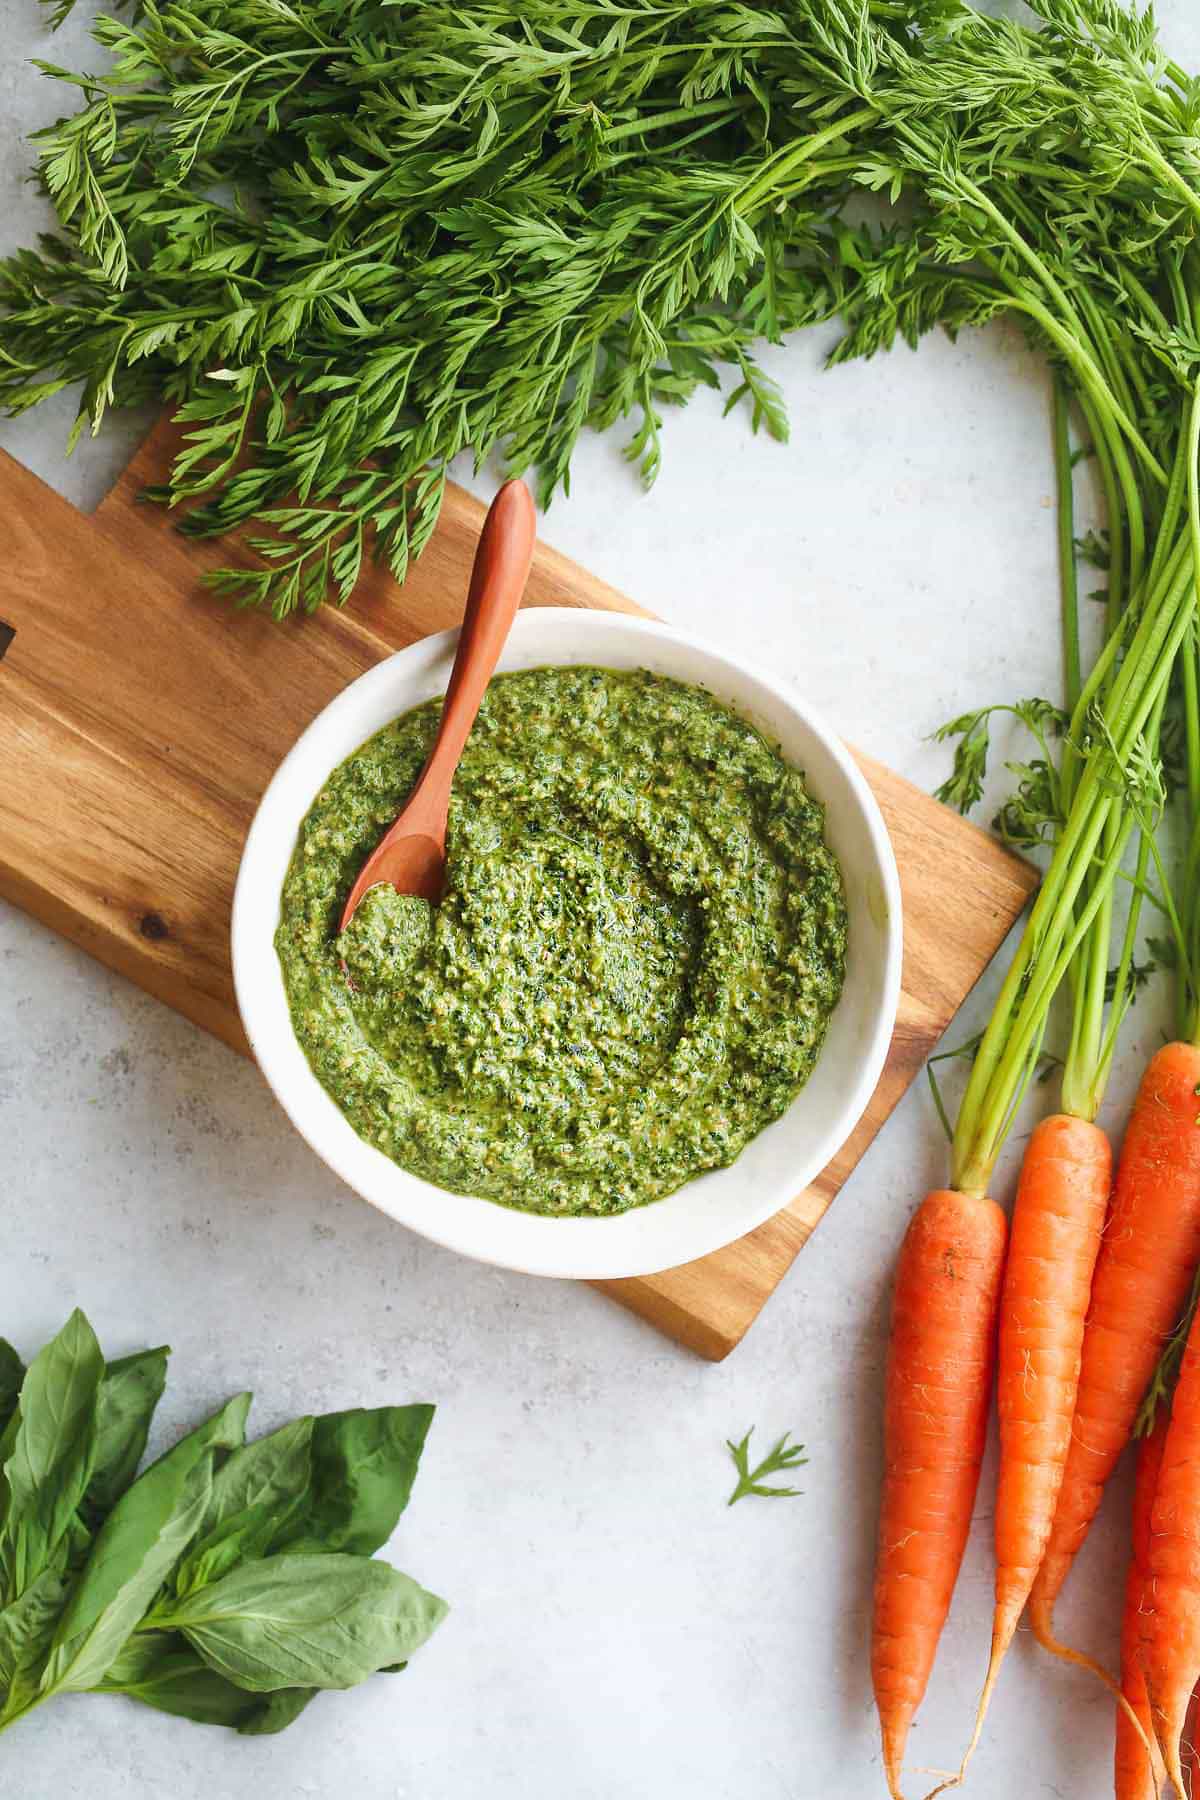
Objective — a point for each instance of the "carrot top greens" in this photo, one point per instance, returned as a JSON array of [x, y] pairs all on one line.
[[348, 241]]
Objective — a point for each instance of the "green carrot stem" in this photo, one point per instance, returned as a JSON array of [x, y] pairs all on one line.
[[1122, 984], [1124, 372], [1089, 1053], [1089, 1059], [762, 184], [972, 1171], [1172, 514], [1145, 299], [1063, 328], [1116, 488], [1045, 927], [1068, 578], [1170, 174], [1087, 1027], [1067, 572], [1143, 889], [1039, 965], [1085, 369], [1032, 1059], [680, 115], [1169, 566]]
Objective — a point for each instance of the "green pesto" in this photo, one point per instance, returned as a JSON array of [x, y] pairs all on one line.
[[631, 972]]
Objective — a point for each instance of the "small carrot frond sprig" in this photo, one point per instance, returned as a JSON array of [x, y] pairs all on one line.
[[752, 1481]]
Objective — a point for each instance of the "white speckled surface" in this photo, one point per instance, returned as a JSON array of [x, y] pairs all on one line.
[[616, 1633]]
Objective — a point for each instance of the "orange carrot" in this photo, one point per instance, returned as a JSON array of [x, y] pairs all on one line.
[[1057, 1220], [1138, 1775], [1143, 1274], [939, 1376], [1171, 1641]]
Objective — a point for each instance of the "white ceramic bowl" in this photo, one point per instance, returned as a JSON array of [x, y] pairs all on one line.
[[715, 1208]]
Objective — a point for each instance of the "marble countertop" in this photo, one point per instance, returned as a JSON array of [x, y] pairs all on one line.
[[616, 1632]]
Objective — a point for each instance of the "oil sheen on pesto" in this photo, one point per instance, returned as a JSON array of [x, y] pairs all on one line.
[[641, 941]]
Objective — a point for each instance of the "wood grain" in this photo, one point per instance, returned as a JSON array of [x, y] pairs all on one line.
[[140, 720]]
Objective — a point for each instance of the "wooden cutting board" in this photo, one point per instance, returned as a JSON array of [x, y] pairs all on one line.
[[140, 720]]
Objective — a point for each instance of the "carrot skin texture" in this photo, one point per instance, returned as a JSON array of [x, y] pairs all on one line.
[[1171, 1641], [1134, 1778], [1058, 1218], [1143, 1275], [938, 1389]]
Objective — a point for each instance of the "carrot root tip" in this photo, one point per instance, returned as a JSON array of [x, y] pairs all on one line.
[[1168, 1735]]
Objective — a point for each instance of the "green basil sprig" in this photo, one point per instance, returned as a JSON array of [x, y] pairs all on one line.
[[229, 1582]]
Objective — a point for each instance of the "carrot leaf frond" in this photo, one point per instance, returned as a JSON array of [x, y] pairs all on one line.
[[751, 1481], [1031, 814]]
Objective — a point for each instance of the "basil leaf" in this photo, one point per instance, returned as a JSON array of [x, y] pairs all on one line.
[[276, 1712], [135, 1550], [26, 1629], [364, 1463], [50, 1441], [12, 1374], [244, 1537], [160, 1669], [136, 1658], [258, 1493], [129, 1392], [272, 1471], [308, 1621]]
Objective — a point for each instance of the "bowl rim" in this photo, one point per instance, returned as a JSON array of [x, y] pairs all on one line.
[[332, 1145]]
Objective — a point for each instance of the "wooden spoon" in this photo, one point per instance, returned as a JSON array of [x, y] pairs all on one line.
[[412, 856]]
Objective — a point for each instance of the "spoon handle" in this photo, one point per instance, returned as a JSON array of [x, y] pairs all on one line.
[[498, 577]]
